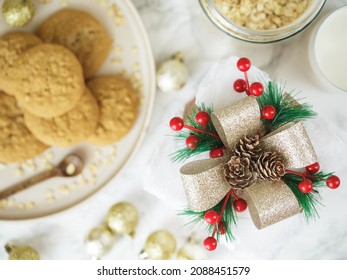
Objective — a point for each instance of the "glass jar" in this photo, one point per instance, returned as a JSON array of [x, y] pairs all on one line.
[[261, 36]]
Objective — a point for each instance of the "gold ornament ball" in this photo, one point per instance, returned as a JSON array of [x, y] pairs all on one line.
[[21, 252], [99, 241], [18, 13], [172, 75], [122, 218], [160, 245]]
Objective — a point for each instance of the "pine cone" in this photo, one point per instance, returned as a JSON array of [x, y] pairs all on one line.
[[240, 172], [248, 147], [270, 166]]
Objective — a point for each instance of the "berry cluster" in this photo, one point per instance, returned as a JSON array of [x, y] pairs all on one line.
[[240, 85], [306, 185], [212, 217], [202, 118], [268, 112]]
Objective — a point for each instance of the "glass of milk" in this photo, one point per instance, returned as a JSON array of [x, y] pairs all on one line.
[[329, 48]]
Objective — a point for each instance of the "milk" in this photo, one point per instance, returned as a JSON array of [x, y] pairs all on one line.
[[330, 48]]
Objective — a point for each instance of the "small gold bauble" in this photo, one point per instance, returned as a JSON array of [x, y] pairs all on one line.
[[21, 252], [122, 218], [100, 240], [18, 13], [172, 74], [160, 245]]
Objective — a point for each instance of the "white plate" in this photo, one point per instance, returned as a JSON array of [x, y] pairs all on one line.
[[131, 54]]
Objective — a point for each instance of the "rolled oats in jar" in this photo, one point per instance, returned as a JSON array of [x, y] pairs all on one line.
[[262, 14]]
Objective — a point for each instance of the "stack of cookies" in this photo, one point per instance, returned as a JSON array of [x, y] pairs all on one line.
[[49, 95]]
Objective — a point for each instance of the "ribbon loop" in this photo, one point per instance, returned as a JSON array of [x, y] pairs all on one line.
[[270, 202], [292, 143], [204, 183], [237, 120]]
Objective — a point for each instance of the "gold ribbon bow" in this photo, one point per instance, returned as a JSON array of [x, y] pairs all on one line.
[[269, 202]]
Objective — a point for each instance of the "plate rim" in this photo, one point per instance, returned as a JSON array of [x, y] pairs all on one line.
[[143, 130]]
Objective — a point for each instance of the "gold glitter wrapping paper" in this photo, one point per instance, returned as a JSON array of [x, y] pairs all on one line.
[[204, 183], [238, 120], [292, 143], [270, 202]]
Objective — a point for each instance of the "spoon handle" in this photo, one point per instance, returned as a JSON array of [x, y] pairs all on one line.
[[29, 183]]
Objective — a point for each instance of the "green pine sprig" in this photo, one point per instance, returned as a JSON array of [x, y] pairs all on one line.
[[311, 200], [207, 142], [287, 108], [229, 219]]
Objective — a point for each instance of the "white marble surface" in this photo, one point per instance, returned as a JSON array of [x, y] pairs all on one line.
[[181, 25]]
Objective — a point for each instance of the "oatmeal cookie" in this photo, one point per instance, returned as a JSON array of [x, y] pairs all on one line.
[[17, 144], [82, 34], [11, 46], [68, 129], [47, 80], [119, 106]]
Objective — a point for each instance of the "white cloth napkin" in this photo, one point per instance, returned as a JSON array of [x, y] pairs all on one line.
[[162, 177]]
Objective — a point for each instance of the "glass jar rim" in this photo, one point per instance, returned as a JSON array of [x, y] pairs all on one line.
[[261, 36]]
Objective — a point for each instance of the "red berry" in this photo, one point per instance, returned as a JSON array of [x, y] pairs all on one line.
[[210, 243], [313, 168], [256, 89], [216, 153], [211, 217], [221, 228], [305, 186], [240, 85], [333, 182], [176, 124], [202, 118], [240, 205], [192, 142], [243, 64], [268, 112]]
